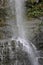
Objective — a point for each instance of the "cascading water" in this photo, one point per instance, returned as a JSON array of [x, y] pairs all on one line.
[[26, 45], [18, 51], [19, 16]]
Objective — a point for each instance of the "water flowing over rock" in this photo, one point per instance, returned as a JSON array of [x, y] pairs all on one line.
[[19, 17], [15, 47]]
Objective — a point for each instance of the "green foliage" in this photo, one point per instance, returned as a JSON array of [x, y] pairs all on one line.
[[31, 1], [34, 10]]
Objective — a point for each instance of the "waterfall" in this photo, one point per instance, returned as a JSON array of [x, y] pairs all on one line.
[[28, 47], [19, 17], [17, 51]]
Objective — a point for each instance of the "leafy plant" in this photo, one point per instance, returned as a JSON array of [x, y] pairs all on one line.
[[34, 10]]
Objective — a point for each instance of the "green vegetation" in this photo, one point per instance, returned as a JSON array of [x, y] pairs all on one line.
[[34, 9]]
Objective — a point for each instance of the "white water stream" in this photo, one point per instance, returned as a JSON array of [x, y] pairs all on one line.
[[28, 47]]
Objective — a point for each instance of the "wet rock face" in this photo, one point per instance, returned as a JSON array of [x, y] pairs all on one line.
[[1, 2], [41, 61], [38, 41], [13, 54], [5, 28], [20, 57]]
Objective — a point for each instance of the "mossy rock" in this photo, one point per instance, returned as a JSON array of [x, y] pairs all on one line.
[[2, 22], [1, 35], [3, 3]]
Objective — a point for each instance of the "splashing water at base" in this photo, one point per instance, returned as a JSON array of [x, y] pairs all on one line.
[[30, 50], [20, 52]]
